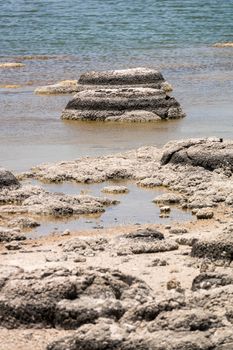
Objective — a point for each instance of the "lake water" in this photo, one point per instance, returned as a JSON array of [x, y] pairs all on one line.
[[66, 38]]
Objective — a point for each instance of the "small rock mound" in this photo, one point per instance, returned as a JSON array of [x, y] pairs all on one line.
[[7, 179], [131, 95], [217, 249], [11, 65], [115, 189]]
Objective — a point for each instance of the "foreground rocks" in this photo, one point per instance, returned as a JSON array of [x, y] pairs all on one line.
[[129, 95], [106, 309]]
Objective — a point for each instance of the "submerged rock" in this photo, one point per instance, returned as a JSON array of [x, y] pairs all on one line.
[[115, 189], [11, 65], [63, 87], [222, 45], [129, 95]]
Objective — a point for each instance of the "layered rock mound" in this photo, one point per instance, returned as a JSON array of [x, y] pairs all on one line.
[[131, 95]]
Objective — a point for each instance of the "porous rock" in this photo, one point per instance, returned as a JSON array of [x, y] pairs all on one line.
[[58, 297], [115, 189], [220, 248], [207, 280]]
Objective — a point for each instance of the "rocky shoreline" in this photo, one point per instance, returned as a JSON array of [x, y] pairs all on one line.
[[150, 287]]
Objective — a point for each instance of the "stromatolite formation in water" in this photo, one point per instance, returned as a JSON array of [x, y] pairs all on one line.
[[132, 95]]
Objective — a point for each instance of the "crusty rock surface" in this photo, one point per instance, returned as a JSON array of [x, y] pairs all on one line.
[[63, 87], [58, 297], [115, 189], [107, 309], [193, 185]]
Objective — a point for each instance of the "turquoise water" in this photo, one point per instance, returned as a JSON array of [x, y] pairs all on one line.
[[105, 28], [71, 37]]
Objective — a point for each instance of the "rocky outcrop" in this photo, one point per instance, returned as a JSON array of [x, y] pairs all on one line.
[[129, 95], [107, 309], [210, 154], [58, 297], [63, 87]]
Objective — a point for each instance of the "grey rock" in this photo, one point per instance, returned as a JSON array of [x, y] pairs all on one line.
[[146, 235], [8, 180], [209, 153], [221, 248], [103, 104], [186, 320], [209, 280], [58, 297], [115, 189], [204, 213], [8, 235]]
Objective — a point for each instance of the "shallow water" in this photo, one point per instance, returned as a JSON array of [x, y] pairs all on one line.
[[73, 37], [127, 212]]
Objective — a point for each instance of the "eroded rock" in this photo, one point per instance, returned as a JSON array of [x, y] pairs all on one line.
[[133, 95]]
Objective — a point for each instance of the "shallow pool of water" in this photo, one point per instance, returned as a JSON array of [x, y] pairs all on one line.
[[135, 208]]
